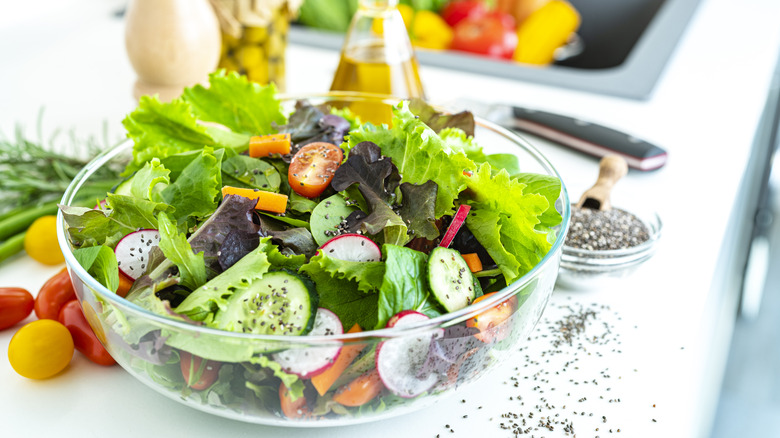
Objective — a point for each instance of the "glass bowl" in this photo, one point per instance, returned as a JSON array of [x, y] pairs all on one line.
[[583, 267], [155, 349]]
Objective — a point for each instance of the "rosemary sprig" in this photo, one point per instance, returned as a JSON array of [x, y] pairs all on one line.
[[34, 177]]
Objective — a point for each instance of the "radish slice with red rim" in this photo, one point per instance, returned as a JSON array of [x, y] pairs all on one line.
[[132, 252], [399, 360], [310, 361], [352, 248]]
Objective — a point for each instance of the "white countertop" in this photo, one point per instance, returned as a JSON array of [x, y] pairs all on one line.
[[68, 57]]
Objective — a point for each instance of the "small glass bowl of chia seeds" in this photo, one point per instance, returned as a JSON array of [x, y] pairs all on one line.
[[607, 243]]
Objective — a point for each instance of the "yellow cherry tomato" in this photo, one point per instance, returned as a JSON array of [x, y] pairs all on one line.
[[40, 241], [40, 349]]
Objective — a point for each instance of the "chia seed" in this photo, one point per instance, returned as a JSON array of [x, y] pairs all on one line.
[[597, 230]]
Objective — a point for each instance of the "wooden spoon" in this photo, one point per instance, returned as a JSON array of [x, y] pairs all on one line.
[[611, 169]]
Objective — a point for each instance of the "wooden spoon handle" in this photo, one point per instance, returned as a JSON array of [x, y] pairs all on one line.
[[611, 169]]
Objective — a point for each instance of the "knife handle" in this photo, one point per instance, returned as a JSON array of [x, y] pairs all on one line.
[[590, 138]]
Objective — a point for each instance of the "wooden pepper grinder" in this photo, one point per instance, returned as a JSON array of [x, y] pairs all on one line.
[[171, 44], [611, 169]]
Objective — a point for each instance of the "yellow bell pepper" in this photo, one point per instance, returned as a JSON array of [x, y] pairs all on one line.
[[430, 31], [426, 29], [546, 29]]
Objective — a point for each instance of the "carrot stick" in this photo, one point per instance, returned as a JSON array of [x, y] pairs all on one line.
[[266, 145], [323, 381], [266, 201], [359, 391], [472, 259]]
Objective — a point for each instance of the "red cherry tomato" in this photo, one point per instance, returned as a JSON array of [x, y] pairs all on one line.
[[458, 10], [292, 408], [492, 322], [312, 168], [15, 304], [491, 34], [84, 338], [199, 373], [54, 294]]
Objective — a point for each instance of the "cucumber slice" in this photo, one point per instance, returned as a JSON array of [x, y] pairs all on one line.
[[279, 303], [450, 279]]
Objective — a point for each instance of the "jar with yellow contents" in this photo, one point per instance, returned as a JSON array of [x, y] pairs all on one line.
[[254, 37]]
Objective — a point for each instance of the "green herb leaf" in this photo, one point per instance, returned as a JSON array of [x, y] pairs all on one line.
[[403, 286]]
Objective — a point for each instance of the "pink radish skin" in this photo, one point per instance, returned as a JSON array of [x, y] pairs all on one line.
[[309, 362], [352, 248], [132, 252], [398, 359], [457, 221]]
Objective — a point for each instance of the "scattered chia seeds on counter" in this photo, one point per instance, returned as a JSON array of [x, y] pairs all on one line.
[[563, 380], [597, 230]]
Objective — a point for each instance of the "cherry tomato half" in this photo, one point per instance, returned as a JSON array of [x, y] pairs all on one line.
[[84, 338], [40, 349], [312, 168], [199, 373], [492, 322], [292, 408], [492, 34], [54, 294], [15, 304]]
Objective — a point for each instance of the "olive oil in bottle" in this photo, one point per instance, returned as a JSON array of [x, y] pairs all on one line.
[[377, 58]]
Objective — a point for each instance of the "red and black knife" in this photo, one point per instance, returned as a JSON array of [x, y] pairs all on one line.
[[590, 138]]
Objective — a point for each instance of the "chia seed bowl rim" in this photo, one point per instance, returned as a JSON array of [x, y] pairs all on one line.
[[579, 259]]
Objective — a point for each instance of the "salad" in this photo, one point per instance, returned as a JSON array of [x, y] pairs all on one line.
[[236, 216]]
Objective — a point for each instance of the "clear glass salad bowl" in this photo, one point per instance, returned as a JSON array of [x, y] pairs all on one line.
[[445, 352]]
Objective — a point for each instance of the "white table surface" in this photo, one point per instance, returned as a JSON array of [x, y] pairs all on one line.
[[68, 57]]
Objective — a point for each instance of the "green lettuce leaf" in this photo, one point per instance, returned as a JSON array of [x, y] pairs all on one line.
[[404, 285], [149, 180], [192, 268], [235, 102], [368, 276], [205, 301], [348, 289], [504, 219], [196, 191], [100, 262]]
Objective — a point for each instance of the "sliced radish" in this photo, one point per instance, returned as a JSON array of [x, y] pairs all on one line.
[[308, 362], [352, 248], [399, 360], [132, 252], [457, 221]]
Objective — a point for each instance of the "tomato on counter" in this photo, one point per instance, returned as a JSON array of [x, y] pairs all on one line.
[[40, 349], [15, 305], [54, 294], [492, 34], [84, 339]]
